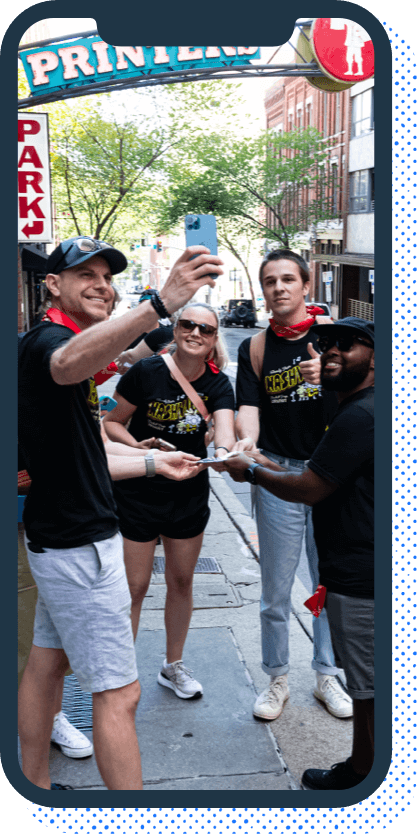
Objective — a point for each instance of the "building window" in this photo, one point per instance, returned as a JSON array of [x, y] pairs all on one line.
[[362, 191], [299, 117], [362, 120], [290, 122], [308, 115]]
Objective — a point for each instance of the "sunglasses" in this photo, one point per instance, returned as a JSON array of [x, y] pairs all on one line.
[[84, 244], [204, 329], [343, 342]]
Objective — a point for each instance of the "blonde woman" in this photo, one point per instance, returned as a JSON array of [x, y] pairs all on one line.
[[155, 404]]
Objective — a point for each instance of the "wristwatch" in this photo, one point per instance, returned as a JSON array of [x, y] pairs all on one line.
[[149, 465], [249, 473]]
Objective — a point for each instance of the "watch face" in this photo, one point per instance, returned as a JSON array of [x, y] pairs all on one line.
[[249, 475]]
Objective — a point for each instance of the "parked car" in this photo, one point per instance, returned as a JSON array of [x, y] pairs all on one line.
[[324, 307], [239, 311]]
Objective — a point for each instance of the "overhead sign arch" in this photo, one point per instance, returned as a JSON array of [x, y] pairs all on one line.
[[84, 64]]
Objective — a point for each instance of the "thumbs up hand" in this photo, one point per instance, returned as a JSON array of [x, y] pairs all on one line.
[[311, 368]]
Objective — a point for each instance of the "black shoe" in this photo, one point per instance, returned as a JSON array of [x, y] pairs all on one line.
[[340, 777], [55, 786]]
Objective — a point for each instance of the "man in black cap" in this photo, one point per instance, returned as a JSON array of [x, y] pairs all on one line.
[[339, 483], [71, 526]]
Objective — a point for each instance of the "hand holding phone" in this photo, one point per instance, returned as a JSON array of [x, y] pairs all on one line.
[[164, 446], [201, 231]]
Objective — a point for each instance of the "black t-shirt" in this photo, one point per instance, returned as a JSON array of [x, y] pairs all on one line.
[[293, 413], [70, 502], [344, 522], [155, 339], [164, 410], [160, 337]]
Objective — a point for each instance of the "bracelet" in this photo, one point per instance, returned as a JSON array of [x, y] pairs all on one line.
[[154, 297], [150, 469], [158, 305], [221, 447]]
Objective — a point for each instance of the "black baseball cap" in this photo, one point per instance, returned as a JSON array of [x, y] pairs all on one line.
[[349, 323], [76, 250]]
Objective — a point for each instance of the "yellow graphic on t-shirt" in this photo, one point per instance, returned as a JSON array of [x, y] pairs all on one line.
[[290, 378], [182, 413], [93, 400]]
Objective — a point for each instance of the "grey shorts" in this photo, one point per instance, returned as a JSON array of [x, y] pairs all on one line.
[[351, 621], [84, 607]]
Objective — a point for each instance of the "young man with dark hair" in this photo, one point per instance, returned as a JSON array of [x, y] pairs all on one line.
[[338, 482], [283, 409], [83, 615]]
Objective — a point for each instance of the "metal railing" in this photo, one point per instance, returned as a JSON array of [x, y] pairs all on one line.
[[361, 309]]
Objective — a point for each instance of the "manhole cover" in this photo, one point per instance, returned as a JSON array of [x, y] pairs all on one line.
[[205, 564], [209, 595]]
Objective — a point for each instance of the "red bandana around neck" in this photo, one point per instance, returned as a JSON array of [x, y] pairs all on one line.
[[301, 327], [58, 317]]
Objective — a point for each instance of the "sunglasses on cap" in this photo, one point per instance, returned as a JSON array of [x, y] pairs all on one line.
[[84, 245], [343, 341], [204, 329]]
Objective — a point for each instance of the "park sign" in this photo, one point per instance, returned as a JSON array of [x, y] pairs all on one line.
[[86, 61], [34, 181]]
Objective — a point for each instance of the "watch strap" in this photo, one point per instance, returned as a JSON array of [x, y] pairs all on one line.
[[150, 469]]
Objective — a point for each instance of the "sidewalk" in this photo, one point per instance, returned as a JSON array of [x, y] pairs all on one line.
[[215, 743]]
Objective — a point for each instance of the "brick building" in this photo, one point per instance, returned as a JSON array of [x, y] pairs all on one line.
[[343, 246]]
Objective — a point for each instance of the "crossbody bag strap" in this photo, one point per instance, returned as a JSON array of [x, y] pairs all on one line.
[[185, 385], [257, 348]]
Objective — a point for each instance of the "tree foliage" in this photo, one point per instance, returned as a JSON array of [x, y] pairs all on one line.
[[280, 181]]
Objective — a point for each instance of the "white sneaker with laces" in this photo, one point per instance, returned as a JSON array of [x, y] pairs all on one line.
[[270, 703], [329, 691], [72, 742], [180, 680]]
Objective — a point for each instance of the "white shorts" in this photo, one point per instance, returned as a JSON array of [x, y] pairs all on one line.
[[84, 607]]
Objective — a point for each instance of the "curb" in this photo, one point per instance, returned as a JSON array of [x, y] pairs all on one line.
[[235, 511]]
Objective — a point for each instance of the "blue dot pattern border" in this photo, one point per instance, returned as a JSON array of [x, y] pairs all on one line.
[[384, 809]]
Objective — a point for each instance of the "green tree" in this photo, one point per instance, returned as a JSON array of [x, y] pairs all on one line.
[[281, 178], [207, 194]]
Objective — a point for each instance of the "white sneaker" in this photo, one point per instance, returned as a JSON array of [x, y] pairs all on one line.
[[329, 691], [72, 742], [177, 677], [270, 703]]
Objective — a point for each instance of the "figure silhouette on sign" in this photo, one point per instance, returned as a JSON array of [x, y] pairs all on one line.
[[355, 39]]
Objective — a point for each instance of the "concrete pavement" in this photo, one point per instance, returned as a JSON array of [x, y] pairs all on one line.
[[215, 743]]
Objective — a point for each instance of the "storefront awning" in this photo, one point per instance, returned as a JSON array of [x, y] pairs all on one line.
[[33, 259], [347, 258]]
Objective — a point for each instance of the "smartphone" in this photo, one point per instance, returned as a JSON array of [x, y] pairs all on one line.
[[165, 446], [219, 460], [201, 231], [107, 403]]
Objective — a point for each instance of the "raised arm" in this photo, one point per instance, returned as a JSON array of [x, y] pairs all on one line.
[[129, 357], [93, 348]]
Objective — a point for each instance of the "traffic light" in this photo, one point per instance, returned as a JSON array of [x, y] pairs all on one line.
[[159, 246]]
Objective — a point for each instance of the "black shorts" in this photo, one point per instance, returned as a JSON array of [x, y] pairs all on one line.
[[176, 509]]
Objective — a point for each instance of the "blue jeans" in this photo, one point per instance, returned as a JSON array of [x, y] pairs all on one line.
[[281, 525]]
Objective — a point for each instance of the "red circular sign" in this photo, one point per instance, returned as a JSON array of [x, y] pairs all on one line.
[[343, 49]]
